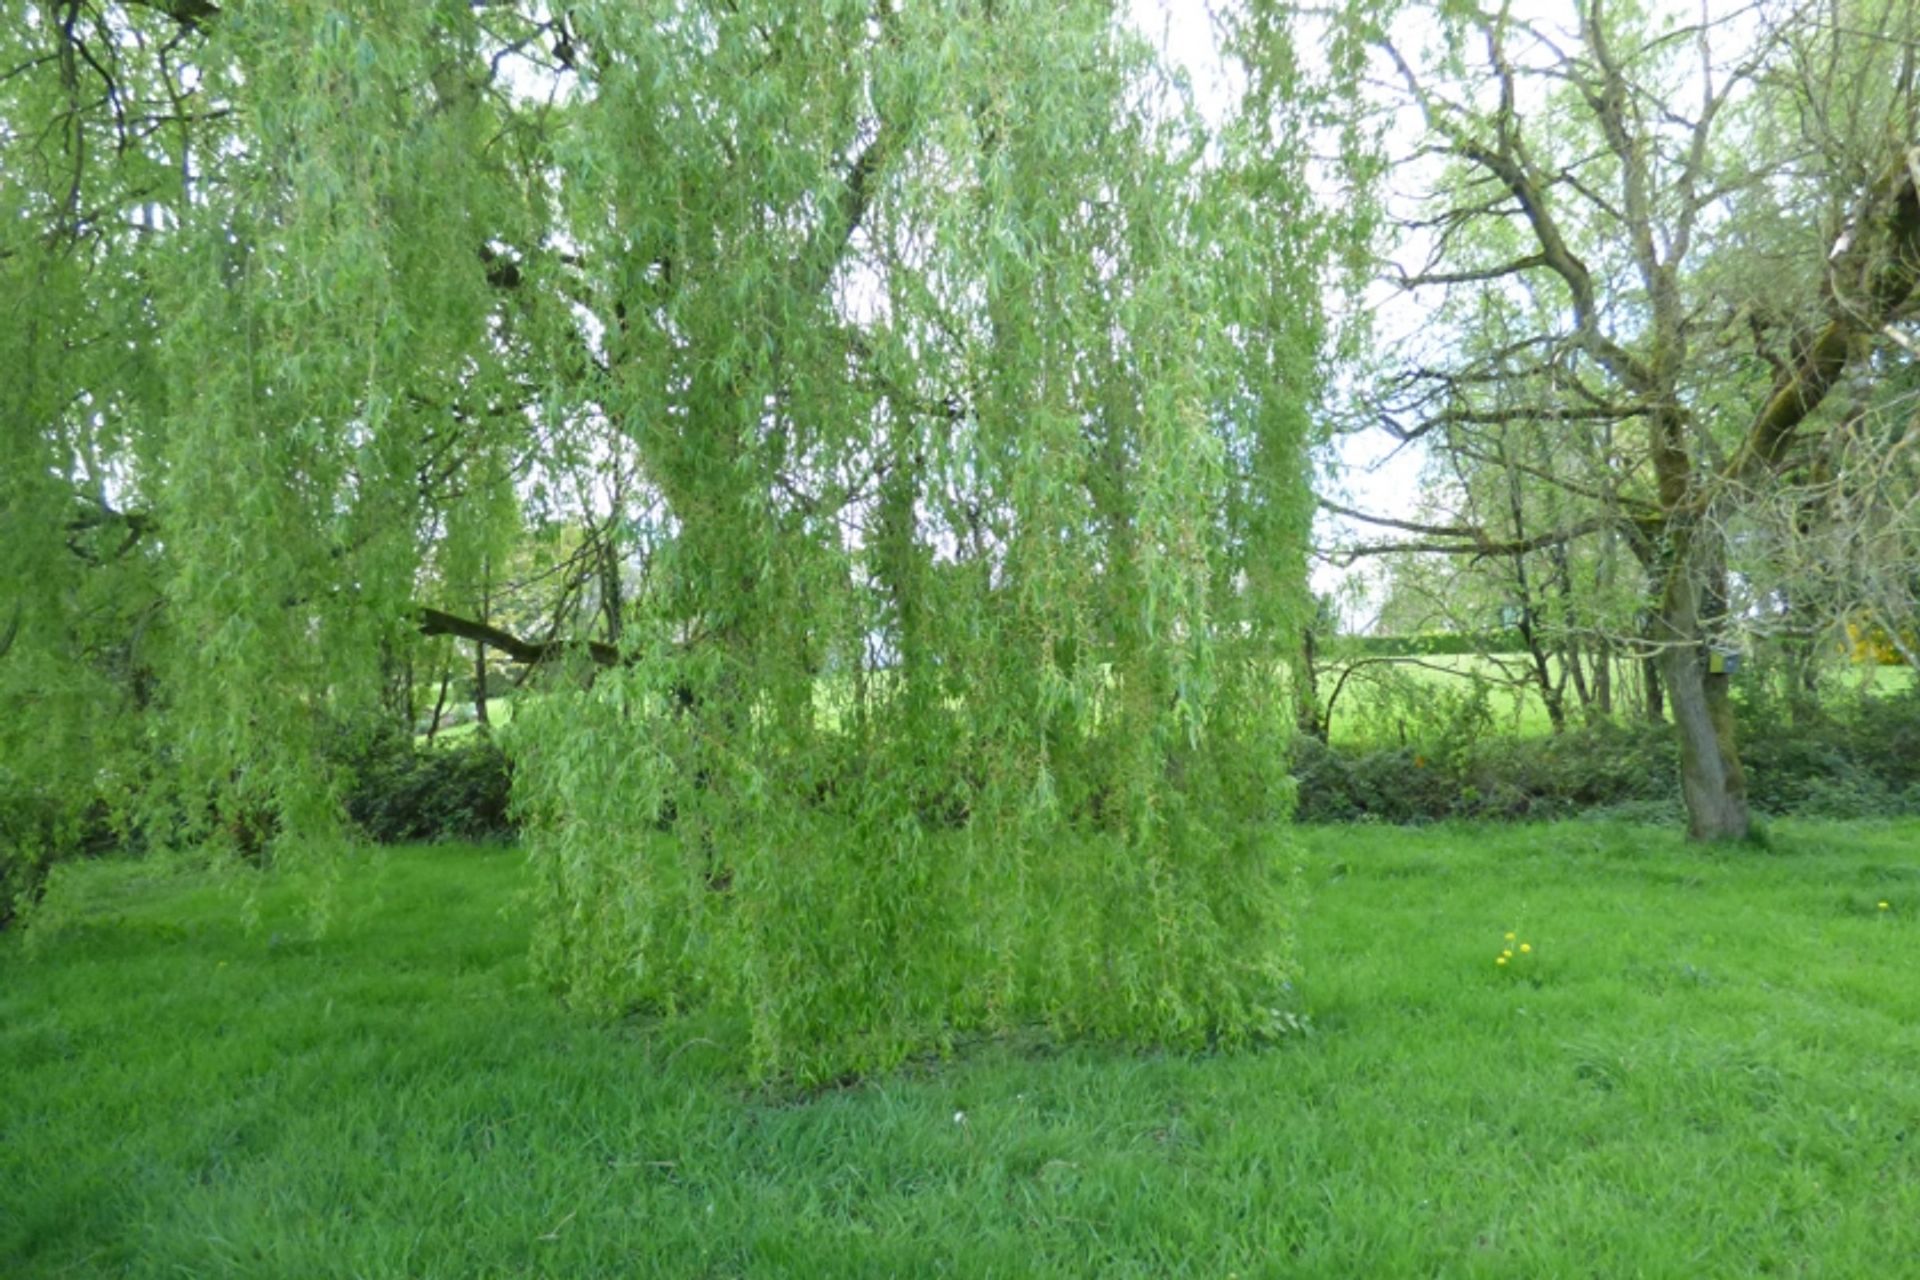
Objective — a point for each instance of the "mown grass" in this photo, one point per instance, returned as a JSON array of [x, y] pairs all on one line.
[[1707, 1069]]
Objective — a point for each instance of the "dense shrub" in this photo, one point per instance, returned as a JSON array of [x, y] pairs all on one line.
[[399, 790], [396, 790], [37, 830], [1492, 777], [1858, 758]]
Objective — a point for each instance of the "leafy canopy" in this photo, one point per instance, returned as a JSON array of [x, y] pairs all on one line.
[[937, 383]]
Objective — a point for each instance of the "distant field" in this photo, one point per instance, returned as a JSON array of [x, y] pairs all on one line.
[[499, 712], [1702, 1067], [1383, 701]]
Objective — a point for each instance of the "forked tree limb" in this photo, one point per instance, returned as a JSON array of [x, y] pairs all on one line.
[[1888, 269]]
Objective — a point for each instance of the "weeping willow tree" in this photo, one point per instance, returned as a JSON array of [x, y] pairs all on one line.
[[946, 375]]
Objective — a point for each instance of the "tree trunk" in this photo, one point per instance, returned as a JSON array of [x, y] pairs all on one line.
[[480, 684], [1570, 663], [1551, 692], [440, 702], [1306, 689], [1712, 781], [1603, 676], [1554, 696], [480, 664], [1803, 678]]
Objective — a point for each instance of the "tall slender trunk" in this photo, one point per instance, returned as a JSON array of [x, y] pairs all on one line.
[[480, 685], [1571, 663], [1306, 689], [1552, 692], [1603, 644], [480, 660], [1654, 705], [440, 700], [1603, 676], [1802, 674], [1542, 669]]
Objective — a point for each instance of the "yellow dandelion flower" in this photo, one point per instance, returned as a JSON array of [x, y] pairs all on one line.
[[1885, 907], [1508, 953], [1525, 947], [1509, 937], [1500, 960]]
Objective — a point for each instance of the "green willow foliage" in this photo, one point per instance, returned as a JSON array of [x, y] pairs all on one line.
[[954, 380]]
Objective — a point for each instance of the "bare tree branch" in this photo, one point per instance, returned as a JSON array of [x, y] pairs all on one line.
[[437, 622]]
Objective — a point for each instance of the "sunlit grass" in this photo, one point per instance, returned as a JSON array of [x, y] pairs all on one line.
[[1704, 1068], [499, 713], [1384, 703], [1366, 713]]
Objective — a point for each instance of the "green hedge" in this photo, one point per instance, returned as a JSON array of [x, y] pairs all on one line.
[[400, 791], [1860, 759]]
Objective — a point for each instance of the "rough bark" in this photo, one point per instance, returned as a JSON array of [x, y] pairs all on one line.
[[1713, 782]]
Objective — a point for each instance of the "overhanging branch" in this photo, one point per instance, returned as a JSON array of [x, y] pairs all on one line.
[[1459, 539], [437, 622]]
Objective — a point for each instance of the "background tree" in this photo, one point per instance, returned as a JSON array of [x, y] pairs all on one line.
[[1673, 239]]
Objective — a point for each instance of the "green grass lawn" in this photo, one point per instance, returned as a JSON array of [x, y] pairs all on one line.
[[1384, 700], [1709, 1065]]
